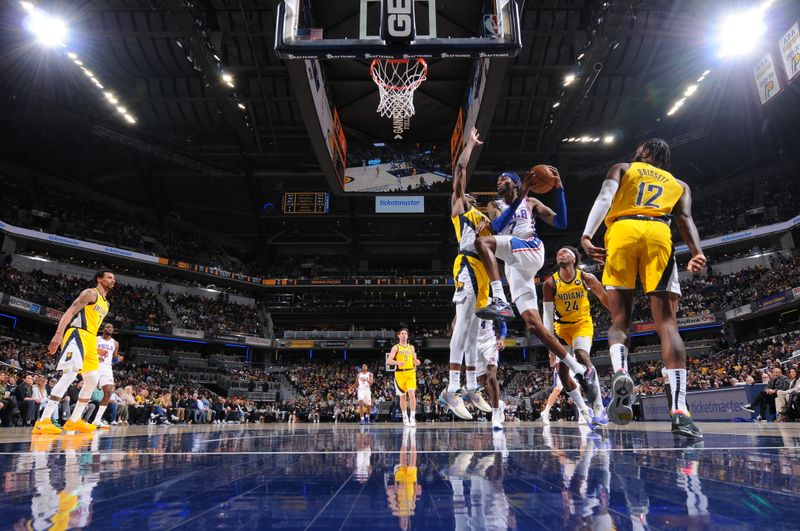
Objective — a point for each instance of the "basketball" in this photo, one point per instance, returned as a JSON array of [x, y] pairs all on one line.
[[542, 177]]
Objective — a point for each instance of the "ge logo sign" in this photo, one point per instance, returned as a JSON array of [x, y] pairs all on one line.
[[399, 18]]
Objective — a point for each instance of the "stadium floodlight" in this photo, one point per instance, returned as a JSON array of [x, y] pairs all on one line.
[[556, 104], [691, 89], [609, 139], [122, 110], [72, 56], [130, 118], [569, 79], [586, 139], [740, 32], [50, 31], [27, 6], [241, 106]]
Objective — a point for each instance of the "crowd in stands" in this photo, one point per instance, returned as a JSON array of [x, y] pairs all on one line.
[[128, 303], [215, 315], [52, 210], [135, 305]]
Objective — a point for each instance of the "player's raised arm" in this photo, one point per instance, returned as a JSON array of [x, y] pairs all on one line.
[[457, 199], [688, 230], [596, 287], [87, 297], [601, 207]]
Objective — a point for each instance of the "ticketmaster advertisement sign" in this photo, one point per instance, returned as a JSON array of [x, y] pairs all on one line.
[[399, 204], [713, 405]]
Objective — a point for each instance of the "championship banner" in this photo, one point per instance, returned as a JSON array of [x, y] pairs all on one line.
[[789, 46], [24, 305], [184, 332], [767, 81]]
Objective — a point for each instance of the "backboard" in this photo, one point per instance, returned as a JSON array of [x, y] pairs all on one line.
[[350, 29]]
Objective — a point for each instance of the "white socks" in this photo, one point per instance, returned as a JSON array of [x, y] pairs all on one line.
[[49, 409], [77, 413], [454, 383], [472, 380], [677, 384], [100, 412], [497, 290], [570, 361], [576, 397], [619, 357]]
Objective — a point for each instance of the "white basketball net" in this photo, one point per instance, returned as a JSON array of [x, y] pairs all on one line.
[[397, 79]]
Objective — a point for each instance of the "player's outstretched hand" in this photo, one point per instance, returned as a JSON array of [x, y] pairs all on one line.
[[416, 362], [55, 343], [558, 183], [697, 263], [598, 254], [473, 137]]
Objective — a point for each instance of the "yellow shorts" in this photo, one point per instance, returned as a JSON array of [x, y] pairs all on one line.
[[405, 479], [643, 248], [405, 381], [79, 351], [569, 332], [471, 280]]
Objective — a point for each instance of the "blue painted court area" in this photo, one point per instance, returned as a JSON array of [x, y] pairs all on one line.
[[437, 476]]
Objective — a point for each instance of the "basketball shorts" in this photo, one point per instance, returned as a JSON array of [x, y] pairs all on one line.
[[405, 479], [405, 381], [487, 355], [78, 351], [105, 376], [643, 248], [523, 259], [365, 395], [576, 336], [471, 280]]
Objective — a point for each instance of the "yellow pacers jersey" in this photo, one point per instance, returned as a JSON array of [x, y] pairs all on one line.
[[571, 300], [466, 226], [91, 316], [405, 478], [405, 357], [644, 190]]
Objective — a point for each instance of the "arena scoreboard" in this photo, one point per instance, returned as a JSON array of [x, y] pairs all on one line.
[[306, 202]]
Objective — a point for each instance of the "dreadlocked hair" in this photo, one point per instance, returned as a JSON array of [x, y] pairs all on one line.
[[659, 152]]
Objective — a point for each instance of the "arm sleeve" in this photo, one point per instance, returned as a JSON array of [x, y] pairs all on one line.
[[547, 318], [500, 222], [601, 206], [560, 221], [502, 328]]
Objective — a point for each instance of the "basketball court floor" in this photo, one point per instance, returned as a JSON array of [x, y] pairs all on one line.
[[324, 476]]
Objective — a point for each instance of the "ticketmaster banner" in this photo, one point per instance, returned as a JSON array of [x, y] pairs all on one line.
[[72, 242], [399, 204], [716, 404]]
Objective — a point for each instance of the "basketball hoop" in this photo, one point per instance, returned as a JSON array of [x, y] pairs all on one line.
[[397, 79]]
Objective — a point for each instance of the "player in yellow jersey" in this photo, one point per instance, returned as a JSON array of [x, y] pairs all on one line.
[[404, 357], [77, 336], [472, 290], [567, 313], [402, 496], [638, 201]]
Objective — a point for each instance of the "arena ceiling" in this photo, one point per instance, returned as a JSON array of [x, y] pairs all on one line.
[[195, 153]]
